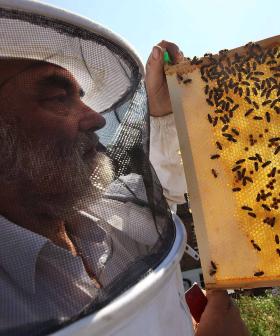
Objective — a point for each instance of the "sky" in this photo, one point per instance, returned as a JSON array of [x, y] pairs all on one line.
[[196, 26]]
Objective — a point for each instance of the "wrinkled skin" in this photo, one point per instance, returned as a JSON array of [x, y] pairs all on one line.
[[49, 148]]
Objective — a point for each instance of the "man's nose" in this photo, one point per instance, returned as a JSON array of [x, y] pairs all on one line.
[[91, 120]]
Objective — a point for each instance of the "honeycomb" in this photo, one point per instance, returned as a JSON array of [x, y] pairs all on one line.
[[227, 111]]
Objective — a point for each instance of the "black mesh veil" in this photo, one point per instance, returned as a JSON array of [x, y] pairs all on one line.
[[83, 217]]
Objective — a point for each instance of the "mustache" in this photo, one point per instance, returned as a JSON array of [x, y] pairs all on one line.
[[60, 147], [84, 143]]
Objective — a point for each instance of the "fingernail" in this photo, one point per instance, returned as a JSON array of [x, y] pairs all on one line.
[[156, 53]]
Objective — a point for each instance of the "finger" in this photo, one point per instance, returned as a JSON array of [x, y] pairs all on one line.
[[154, 69], [156, 56], [173, 50]]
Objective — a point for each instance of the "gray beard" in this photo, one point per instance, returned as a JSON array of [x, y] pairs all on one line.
[[52, 179]]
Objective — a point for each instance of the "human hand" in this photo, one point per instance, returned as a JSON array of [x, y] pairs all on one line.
[[157, 90], [221, 317]]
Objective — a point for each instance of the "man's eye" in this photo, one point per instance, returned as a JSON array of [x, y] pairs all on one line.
[[59, 99]]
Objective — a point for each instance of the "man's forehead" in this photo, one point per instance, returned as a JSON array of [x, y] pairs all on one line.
[[12, 68]]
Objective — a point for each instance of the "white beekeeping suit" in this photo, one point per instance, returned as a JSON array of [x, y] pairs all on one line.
[[88, 244], [166, 159]]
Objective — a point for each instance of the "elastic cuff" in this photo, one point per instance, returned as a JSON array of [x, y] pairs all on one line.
[[165, 121]]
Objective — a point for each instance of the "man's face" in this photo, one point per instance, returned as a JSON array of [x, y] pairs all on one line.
[[48, 144]]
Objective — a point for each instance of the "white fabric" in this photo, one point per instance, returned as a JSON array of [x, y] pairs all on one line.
[[155, 306], [165, 158], [105, 76], [67, 52], [34, 270], [165, 315], [44, 9]]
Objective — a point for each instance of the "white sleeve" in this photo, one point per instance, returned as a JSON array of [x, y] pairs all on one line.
[[166, 160]]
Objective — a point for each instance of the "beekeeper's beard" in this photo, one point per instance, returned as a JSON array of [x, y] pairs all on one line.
[[52, 178]]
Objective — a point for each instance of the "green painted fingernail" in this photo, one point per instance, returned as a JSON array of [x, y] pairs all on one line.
[[166, 57]]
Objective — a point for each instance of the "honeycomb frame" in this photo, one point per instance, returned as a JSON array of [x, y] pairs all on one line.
[[227, 114]]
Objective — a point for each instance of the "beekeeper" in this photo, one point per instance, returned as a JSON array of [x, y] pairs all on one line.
[[83, 216]]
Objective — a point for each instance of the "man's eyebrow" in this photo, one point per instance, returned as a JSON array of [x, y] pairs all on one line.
[[59, 81]]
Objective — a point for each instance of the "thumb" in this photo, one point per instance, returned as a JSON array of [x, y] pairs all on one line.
[[154, 69]]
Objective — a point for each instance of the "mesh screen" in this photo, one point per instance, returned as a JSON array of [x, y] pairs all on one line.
[[230, 103], [83, 216]]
